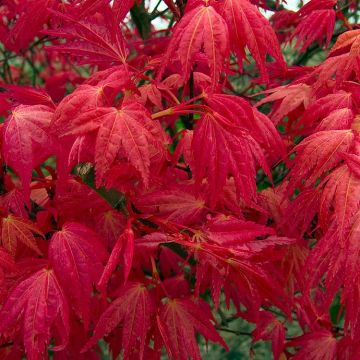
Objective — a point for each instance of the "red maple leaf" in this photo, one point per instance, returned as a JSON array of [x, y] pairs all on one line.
[[133, 309], [200, 28], [26, 140], [128, 130], [15, 230], [178, 322], [94, 41], [173, 205], [76, 255], [221, 149], [249, 28], [33, 307], [317, 345]]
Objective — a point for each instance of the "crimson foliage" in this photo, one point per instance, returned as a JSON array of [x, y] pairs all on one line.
[[148, 184]]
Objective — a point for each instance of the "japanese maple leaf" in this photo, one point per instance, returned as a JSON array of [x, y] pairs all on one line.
[[341, 67], [349, 274], [314, 27], [94, 40], [339, 269], [325, 111], [299, 214], [244, 115], [110, 224], [200, 28], [121, 8], [184, 148], [232, 232], [292, 97], [342, 61], [90, 7], [133, 310], [33, 15], [173, 205], [317, 345], [179, 320], [7, 264], [82, 150], [34, 307], [128, 130], [234, 257], [124, 247], [317, 154], [26, 140], [14, 202], [317, 20], [353, 162], [249, 28], [117, 78], [84, 98], [340, 119], [77, 338], [150, 93], [76, 255], [27, 95], [221, 148], [347, 42], [148, 246], [268, 327], [340, 199], [281, 21], [15, 230]]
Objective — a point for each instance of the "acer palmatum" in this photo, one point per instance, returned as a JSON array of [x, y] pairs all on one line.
[[160, 186]]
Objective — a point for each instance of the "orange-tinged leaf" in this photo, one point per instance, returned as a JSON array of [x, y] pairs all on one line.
[[341, 67], [15, 230], [345, 42], [317, 154]]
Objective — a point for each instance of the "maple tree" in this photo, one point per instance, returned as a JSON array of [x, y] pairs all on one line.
[[178, 176]]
